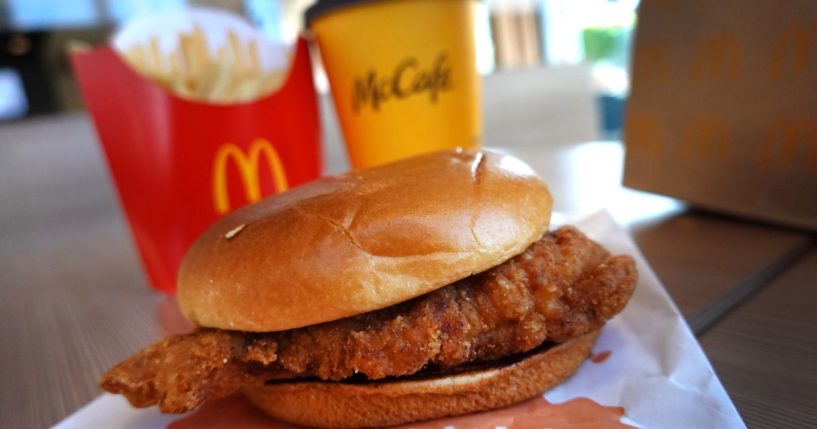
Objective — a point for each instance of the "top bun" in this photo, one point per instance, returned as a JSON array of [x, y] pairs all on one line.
[[349, 244]]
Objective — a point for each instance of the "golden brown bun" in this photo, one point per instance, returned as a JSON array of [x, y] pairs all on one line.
[[354, 243], [325, 404]]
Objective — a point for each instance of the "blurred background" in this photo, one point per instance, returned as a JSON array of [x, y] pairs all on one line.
[[577, 49], [721, 122]]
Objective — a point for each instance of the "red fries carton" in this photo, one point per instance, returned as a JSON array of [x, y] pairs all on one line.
[[180, 163]]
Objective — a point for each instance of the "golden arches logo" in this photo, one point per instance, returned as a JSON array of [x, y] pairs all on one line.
[[793, 47], [705, 138], [248, 166], [642, 134], [784, 139], [650, 63], [716, 58]]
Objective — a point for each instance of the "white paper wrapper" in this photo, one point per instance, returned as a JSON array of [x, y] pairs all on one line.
[[656, 370]]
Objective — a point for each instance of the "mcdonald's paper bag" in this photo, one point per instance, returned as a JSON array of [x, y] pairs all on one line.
[[723, 110], [179, 164]]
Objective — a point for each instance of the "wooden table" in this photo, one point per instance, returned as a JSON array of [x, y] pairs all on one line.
[[74, 301]]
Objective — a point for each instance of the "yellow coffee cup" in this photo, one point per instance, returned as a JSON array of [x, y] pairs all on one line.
[[402, 73]]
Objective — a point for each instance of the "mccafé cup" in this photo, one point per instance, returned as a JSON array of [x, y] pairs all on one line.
[[402, 73]]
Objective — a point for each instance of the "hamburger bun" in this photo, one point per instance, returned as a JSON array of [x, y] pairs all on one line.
[[350, 244], [333, 404]]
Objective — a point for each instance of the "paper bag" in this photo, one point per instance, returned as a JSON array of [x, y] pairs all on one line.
[[723, 109]]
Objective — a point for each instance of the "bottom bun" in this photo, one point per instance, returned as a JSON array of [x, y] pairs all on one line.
[[332, 404]]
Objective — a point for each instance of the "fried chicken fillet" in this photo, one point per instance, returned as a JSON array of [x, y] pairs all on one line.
[[563, 286]]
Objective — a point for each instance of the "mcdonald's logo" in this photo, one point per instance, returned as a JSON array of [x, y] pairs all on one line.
[[795, 42], [705, 138], [642, 135], [248, 166], [716, 58], [650, 63], [783, 140]]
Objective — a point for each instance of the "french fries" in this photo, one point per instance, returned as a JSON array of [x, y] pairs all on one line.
[[233, 75]]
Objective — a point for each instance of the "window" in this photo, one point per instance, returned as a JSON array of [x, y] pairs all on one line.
[[13, 102]]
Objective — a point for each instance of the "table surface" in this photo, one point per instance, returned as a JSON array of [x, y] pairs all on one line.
[[74, 301]]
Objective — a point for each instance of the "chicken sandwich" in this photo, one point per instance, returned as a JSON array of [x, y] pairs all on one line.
[[425, 288]]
